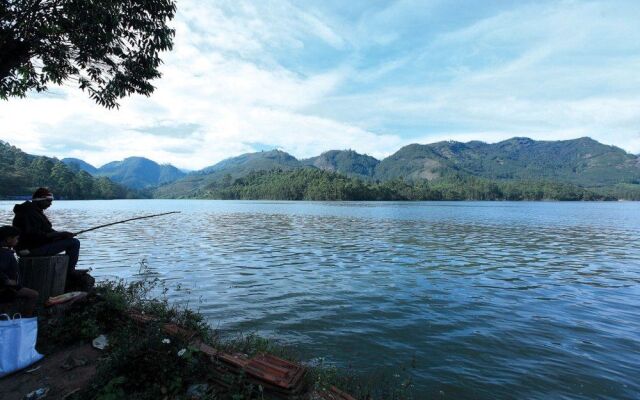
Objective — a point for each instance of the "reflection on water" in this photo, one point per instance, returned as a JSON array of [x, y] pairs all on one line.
[[482, 300]]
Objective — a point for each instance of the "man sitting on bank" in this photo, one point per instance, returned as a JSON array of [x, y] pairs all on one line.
[[37, 236]]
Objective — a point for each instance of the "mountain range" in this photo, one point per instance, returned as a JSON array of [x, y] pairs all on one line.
[[583, 162], [132, 172]]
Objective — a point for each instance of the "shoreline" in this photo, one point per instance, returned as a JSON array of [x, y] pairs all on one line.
[[158, 350]]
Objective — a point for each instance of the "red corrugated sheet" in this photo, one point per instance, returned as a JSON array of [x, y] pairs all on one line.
[[282, 378]]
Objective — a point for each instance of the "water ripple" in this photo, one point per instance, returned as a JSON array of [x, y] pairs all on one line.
[[478, 300]]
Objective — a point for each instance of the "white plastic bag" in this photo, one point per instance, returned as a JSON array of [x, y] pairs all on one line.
[[17, 343]]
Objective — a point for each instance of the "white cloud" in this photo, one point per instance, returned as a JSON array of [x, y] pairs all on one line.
[[564, 71], [232, 99], [307, 81]]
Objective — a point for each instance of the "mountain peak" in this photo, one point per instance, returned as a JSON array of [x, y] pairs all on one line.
[[78, 164], [133, 172], [347, 162], [261, 160], [517, 140], [137, 158]]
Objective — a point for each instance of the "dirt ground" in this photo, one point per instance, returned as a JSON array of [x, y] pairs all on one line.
[[63, 372]]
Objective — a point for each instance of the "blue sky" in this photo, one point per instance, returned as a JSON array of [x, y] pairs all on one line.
[[373, 76]]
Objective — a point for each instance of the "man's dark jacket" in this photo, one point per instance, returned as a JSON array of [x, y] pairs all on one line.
[[32, 224]]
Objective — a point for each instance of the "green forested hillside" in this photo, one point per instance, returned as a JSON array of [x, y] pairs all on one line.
[[227, 170], [515, 169], [315, 184], [22, 173], [413, 162], [346, 162], [77, 164], [245, 163], [139, 172], [132, 172], [606, 170], [582, 162]]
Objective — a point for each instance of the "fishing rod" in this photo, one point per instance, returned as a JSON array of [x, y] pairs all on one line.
[[126, 220]]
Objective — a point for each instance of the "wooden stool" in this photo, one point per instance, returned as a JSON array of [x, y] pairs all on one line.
[[47, 275]]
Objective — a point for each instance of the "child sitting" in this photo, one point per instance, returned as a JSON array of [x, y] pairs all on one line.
[[10, 290]]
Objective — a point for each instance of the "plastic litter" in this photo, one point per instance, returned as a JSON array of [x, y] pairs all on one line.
[[65, 298], [101, 342], [71, 394], [37, 394], [197, 391]]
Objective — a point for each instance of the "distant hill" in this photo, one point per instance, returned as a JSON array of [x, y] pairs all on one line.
[[78, 164], [228, 169], [132, 172], [139, 172], [346, 162], [263, 160], [22, 173], [413, 162], [584, 162]]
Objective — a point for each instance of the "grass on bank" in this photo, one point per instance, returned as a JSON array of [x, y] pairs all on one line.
[[145, 363]]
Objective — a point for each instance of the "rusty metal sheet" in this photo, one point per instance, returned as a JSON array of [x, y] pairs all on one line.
[[332, 394], [276, 371], [273, 373], [170, 329], [140, 318], [205, 348], [178, 331], [236, 360]]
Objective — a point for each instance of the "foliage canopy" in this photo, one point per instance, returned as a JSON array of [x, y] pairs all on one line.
[[109, 47], [22, 173], [317, 185]]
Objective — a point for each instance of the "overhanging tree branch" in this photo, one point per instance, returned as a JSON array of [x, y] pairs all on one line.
[[111, 48]]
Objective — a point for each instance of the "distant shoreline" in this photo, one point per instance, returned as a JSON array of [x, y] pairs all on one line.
[[353, 201]]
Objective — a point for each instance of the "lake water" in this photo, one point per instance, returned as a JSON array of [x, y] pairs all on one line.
[[470, 300]]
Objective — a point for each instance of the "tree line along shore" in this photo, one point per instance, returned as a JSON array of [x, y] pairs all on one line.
[[317, 185]]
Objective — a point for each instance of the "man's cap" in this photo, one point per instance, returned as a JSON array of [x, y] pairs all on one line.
[[42, 194], [8, 231]]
